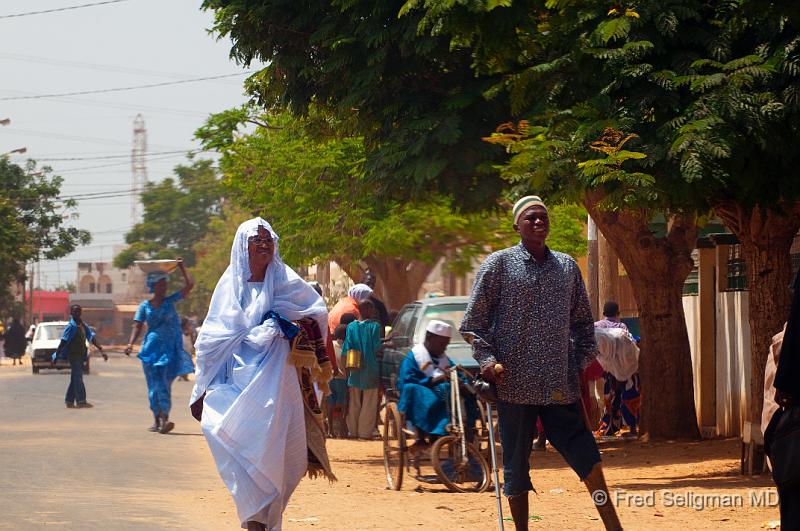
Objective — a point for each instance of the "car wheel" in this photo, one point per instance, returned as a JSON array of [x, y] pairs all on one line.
[[35, 369]]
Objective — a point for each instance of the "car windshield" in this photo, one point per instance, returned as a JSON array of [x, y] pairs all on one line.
[[451, 314], [48, 332]]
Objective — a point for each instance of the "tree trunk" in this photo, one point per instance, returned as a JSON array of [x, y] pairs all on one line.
[[657, 268], [400, 279], [766, 239]]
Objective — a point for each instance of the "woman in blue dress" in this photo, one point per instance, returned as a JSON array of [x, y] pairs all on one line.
[[162, 354]]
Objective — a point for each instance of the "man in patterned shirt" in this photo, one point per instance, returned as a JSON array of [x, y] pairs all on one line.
[[532, 332]]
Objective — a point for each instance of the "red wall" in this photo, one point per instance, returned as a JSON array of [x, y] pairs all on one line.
[[50, 305]]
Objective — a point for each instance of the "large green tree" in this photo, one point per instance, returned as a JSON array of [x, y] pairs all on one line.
[[312, 185], [465, 67], [176, 215], [32, 222], [585, 137], [675, 105], [413, 99]]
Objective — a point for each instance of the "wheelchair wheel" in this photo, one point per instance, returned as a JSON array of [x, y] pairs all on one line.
[[460, 473], [394, 447]]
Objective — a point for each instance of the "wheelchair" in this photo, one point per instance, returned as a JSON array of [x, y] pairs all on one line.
[[458, 464]]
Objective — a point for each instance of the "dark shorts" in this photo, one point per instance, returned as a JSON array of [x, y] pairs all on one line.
[[565, 428]]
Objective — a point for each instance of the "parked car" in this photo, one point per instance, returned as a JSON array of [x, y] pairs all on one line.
[[408, 329], [46, 339]]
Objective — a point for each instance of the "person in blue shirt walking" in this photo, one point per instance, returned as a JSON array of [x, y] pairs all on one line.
[[162, 354], [73, 348]]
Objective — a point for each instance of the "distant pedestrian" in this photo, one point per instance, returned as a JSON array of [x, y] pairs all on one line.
[[73, 348], [381, 314], [162, 354], [348, 304], [336, 402], [15, 341], [621, 384], [530, 325], [362, 337]]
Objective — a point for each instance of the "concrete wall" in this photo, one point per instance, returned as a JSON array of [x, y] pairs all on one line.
[[691, 310], [733, 362], [732, 356]]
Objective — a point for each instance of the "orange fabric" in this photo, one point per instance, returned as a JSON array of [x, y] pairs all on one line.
[[345, 305]]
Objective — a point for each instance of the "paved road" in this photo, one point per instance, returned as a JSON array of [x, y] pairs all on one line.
[[86, 469], [100, 469]]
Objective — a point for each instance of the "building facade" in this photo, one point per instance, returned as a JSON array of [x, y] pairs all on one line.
[[109, 297]]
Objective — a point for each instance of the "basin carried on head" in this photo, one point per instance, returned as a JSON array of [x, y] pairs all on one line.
[[152, 266]]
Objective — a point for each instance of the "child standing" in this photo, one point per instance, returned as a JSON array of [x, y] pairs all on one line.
[[363, 336]]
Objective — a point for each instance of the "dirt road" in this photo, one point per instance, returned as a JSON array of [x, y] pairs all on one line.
[[100, 469]]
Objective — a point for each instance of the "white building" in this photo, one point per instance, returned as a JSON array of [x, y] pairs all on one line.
[[109, 297]]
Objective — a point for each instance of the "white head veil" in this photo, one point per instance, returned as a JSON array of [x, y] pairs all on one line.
[[360, 292], [228, 323]]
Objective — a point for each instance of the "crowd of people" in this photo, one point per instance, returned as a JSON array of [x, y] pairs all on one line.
[[277, 373]]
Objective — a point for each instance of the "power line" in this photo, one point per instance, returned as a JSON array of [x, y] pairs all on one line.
[[68, 8], [121, 89], [111, 165], [91, 66], [127, 106], [76, 138], [120, 156]]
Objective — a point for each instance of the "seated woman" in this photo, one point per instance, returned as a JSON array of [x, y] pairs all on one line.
[[261, 362], [424, 387]]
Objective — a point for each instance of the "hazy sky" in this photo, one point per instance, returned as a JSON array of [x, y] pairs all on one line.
[[134, 42]]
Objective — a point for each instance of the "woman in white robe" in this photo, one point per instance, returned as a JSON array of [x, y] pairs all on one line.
[[254, 418]]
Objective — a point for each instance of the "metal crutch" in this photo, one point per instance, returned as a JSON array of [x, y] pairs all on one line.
[[470, 337], [493, 451]]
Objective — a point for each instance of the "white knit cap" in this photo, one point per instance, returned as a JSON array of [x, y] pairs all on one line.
[[440, 328], [524, 204]]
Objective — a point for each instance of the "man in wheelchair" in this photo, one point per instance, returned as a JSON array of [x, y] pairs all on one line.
[[424, 387]]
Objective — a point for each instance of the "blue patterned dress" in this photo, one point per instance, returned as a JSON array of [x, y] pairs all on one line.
[[162, 354]]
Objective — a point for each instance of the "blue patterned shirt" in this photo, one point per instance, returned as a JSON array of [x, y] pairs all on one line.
[[534, 318]]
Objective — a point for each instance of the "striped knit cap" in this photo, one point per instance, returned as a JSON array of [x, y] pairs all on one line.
[[525, 203]]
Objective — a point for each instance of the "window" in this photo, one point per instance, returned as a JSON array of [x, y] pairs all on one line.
[[402, 324], [49, 332], [737, 269], [91, 287], [108, 288], [691, 284], [451, 314]]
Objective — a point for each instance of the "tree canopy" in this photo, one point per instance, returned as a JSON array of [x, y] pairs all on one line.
[[176, 215], [33, 222], [676, 106], [315, 191], [412, 98]]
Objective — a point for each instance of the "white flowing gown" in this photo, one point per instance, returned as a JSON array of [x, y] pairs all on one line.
[[253, 416]]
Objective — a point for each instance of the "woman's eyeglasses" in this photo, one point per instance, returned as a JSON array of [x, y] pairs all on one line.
[[258, 240]]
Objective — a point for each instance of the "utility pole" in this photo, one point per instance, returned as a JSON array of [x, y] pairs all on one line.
[[30, 298], [138, 166]]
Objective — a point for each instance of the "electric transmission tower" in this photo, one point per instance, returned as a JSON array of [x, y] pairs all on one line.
[[138, 165]]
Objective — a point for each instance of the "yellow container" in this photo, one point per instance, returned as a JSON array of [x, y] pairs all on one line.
[[353, 359]]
